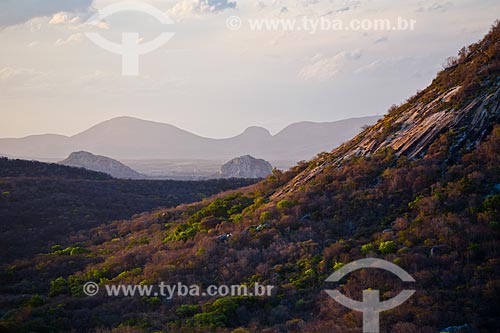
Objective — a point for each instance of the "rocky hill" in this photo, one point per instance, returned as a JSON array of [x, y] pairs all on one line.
[[419, 189], [246, 167], [463, 102], [86, 160]]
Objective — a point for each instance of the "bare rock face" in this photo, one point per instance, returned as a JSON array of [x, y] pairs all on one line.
[[246, 167], [83, 159]]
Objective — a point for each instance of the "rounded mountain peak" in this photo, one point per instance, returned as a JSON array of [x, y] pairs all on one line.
[[256, 131]]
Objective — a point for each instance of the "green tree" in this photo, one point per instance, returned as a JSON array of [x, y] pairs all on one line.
[[387, 247]]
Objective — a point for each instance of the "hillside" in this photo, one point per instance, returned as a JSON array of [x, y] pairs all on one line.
[[99, 163], [130, 138], [15, 168], [420, 189], [42, 204]]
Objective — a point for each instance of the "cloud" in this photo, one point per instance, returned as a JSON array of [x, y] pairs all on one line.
[[186, 8], [113, 84], [64, 18], [348, 5], [11, 73], [75, 21], [434, 7], [12, 78], [75, 38], [389, 65], [14, 12], [309, 8], [343, 9], [373, 66], [284, 10], [323, 68], [381, 39]]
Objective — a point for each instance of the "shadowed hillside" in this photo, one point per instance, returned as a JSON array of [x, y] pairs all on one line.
[[42, 204]]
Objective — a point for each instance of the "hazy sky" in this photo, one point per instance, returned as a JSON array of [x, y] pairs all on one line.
[[217, 81]]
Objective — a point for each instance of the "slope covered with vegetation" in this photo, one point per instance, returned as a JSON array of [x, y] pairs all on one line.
[[42, 204], [420, 189]]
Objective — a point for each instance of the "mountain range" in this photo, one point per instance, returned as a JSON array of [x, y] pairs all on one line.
[[131, 138]]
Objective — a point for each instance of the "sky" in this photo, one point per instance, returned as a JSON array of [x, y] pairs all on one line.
[[220, 73]]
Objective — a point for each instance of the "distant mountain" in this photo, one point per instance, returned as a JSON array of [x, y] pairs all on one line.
[[86, 160], [131, 138], [246, 167]]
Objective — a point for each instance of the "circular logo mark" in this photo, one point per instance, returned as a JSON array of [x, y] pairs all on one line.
[[91, 289], [130, 49], [371, 306], [234, 23]]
